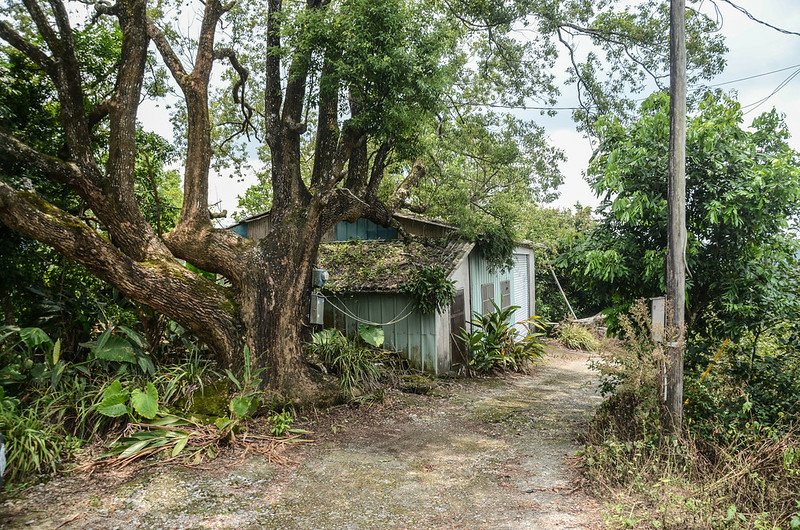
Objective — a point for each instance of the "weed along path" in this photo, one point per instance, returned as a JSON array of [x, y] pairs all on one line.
[[487, 454]]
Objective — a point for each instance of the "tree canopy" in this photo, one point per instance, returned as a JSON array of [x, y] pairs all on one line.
[[743, 205], [355, 107]]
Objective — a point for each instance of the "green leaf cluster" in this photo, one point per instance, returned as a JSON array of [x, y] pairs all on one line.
[[494, 344], [117, 401], [742, 208], [431, 288]]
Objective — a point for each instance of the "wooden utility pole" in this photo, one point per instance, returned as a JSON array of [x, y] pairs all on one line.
[[672, 410]]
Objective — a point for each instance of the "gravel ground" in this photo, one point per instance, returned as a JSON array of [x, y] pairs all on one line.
[[491, 454]]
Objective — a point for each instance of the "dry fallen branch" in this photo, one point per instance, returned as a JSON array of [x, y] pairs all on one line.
[[189, 442]]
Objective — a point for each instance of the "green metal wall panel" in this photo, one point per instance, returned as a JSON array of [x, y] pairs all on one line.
[[415, 335], [479, 274], [363, 229], [240, 229]]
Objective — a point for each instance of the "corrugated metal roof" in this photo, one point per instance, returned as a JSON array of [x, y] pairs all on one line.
[[398, 215]]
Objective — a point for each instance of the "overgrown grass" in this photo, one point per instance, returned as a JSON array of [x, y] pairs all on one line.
[[357, 366], [728, 470], [577, 337], [33, 446]]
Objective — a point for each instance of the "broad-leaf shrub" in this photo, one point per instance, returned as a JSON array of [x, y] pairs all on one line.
[[356, 365], [494, 343]]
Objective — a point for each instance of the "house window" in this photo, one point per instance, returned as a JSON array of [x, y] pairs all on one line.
[[487, 298], [505, 294]]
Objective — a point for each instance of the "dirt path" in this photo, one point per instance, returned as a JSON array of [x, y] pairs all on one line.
[[483, 454]]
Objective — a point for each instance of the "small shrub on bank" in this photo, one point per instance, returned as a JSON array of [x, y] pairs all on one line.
[[577, 337], [730, 469]]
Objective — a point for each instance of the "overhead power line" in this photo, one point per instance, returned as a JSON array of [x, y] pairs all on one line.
[[753, 106], [756, 76], [759, 21], [703, 87]]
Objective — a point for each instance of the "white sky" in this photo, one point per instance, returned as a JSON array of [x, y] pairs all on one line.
[[754, 49]]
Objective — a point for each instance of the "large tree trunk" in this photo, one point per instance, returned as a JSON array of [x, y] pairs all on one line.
[[275, 302], [267, 306]]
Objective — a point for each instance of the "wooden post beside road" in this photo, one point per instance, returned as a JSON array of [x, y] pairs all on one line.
[[672, 410]]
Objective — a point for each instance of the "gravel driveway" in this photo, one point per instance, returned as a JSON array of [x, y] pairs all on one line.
[[491, 453]]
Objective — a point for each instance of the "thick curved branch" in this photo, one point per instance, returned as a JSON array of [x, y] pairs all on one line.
[[400, 197], [213, 250], [162, 284], [378, 170], [194, 214], [32, 52], [42, 24], [327, 129], [204, 57], [62, 21], [66, 76], [13, 150], [171, 59], [98, 113]]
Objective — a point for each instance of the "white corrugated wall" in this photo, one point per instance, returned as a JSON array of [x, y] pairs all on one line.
[[521, 289]]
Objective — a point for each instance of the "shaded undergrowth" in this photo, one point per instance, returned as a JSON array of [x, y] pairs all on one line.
[[730, 468]]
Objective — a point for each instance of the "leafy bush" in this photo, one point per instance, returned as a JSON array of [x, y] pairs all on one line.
[[728, 470], [357, 366], [577, 337], [431, 288], [494, 344], [49, 404]]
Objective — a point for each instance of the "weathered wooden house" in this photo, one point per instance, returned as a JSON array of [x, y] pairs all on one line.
[[370, 268]]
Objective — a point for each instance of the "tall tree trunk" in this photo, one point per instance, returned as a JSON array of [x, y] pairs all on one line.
[[275, 302]]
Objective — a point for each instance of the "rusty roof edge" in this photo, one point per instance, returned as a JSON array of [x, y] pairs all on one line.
[[422, 219]]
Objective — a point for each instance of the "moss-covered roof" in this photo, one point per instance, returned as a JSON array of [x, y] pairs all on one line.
[[385, 266]]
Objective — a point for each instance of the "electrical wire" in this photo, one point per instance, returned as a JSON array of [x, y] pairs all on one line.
[[753, 106], [749, 15], [703, 87], [755, 76], [399, 318]]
